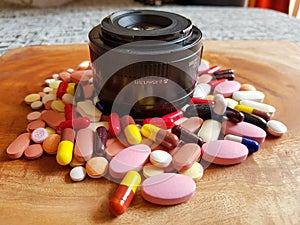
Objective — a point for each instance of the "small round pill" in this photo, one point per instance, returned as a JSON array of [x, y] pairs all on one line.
[[78, 173], [48, 97], [150, 170], [75, 163], [96, 167], [195, 172], [49, 81], [50, 130], [55, 76], [160, 158], [32, 98], [33, 116], [247, 87], [276, 128], [55, 84], [33, 151], [67, 98], [47, 89], [51, 143], [36, 105], [39, 135], [58, 106]]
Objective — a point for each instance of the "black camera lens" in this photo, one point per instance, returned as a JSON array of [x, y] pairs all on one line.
[[144, 61]]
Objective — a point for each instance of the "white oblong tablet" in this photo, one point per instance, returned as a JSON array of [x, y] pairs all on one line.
[[78, 173], [257, 96], [168, 189], [224, 152], [210, 130], [160, 158], [276, 128]]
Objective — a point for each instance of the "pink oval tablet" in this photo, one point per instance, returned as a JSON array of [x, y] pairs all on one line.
[[35, 124], [33, 151], [186, 156], [168, 189], [131, 158], [192, 124], [16, 149], [84, 145], [227, 88], [52, 118], [114, 146], [39, 135], [224, 152], [33, 116], [244, 129]]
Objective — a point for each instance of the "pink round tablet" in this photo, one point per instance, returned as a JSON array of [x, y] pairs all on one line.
[[168, 189], [224, 152], [131, 158], [244, 129], [227, 88]]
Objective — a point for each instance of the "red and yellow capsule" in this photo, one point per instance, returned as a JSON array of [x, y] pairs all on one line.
[[124, 193]]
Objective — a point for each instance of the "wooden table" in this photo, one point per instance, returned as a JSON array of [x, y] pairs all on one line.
[[265, 189]]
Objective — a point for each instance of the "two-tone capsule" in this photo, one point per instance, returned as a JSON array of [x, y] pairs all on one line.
[[252, 145], [64, 153], [124, 194], [160, 136]]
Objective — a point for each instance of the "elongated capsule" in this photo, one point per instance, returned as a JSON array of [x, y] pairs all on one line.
[[202, 101], [100, 140], [255, 120], [160, 136], [114, 124], [132, 133], [70, 113], [252, 145], [65, 147], [78, 123], [160, 122], [186, 136], [124, 194], [176, 115], [62, 89], [227, 74], [242, 108]]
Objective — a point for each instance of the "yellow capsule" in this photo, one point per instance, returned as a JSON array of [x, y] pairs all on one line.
[[243, 108], [150, 131], [132, 134], [64, 152], [71, 88]]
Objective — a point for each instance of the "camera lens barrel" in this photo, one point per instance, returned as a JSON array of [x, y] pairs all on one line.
[[144, 61]]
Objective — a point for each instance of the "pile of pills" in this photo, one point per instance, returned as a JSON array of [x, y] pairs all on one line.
[[224, 123]]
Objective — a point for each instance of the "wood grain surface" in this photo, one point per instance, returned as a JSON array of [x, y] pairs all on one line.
[[265, 189]]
